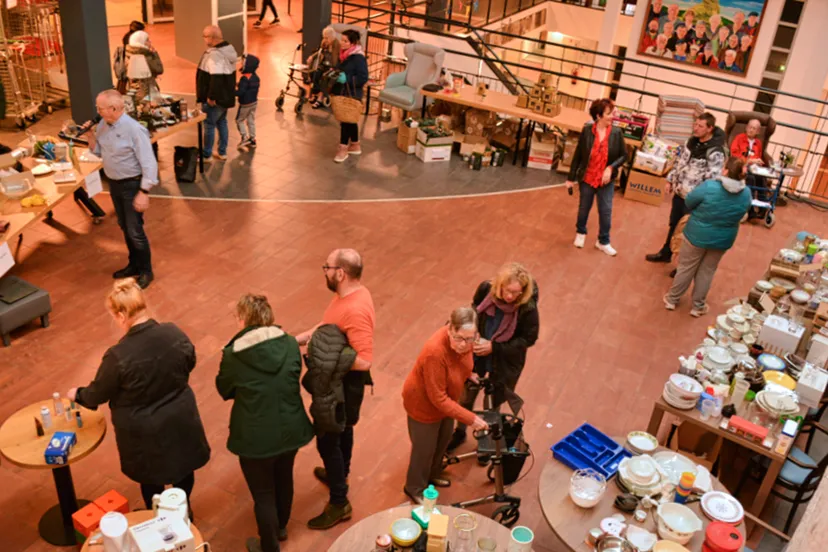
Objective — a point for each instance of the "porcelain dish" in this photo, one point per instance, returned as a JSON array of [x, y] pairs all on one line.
[[764, 286], [768, 361], [787, 285], [674, 464], [780, 378], [677, 402], [641, 442], [677, 522], [721, 506]]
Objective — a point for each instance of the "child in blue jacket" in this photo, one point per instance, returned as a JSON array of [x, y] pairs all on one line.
[[248, 94]]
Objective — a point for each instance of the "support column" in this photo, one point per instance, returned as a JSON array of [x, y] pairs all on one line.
[[86, 46], [316, 15], [612, 13], [191, 16]]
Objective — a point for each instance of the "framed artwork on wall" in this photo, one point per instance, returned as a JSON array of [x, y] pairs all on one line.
[[718, 35]]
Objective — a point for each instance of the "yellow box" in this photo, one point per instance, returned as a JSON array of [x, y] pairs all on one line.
[[523, 101]]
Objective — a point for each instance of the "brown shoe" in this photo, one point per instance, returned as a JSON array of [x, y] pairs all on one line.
[[331, 515]]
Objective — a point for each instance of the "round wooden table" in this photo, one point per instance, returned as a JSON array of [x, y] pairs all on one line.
[[20, 445], [363, 534], [571, 523], [134, 518]]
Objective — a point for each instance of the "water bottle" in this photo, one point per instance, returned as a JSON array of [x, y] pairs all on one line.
[[429, 500], [58, 404], [46, 416]]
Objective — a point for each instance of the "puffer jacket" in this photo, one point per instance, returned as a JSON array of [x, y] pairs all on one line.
[[216, 75], [329, 360], [697, 162], [716, 209]]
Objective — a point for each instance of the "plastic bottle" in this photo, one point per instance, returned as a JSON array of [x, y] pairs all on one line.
[[78, 419], [429, 499], [46, 416], [58, 404]]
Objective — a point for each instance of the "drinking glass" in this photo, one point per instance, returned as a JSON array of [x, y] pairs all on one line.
[[464, 526], [486, 544], [707, 408]]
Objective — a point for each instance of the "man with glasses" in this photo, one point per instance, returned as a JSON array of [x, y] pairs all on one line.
[[131, 169], [216, 89], [352, 311]]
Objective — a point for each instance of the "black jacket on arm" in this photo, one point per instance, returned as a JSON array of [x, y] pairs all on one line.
[[144, 377], [508, 357], [616, 153]]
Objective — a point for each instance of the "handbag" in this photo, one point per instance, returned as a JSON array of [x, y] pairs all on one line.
[[346, 108]]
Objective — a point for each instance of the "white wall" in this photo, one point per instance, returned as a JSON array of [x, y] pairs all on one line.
[[585, 22], [695, 77], [452, 61]]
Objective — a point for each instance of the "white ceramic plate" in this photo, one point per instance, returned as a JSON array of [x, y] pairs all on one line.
[[771, 362], [642, 441], [676, 403], [674, 465], [721, 506], [764, 285], [42, 169], [686, 383], [783, 283]]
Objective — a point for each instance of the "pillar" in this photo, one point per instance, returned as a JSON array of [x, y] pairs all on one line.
[[86, 47], [601, 72], [316, 15], [191, 16]]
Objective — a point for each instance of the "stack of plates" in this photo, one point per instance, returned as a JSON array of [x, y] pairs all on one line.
[[768, 361], [721, 506], [787, 285], [641, 475], [795, 364], [682, 392], [763, 286], [776, 404], [641, 442]]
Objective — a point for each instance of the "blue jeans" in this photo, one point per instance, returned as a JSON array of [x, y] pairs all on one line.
[[604, 197], [123, 193], [216, 118]]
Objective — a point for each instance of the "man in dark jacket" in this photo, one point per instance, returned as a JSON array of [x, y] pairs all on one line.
[[702, 158], [216, 89], [248, 94]]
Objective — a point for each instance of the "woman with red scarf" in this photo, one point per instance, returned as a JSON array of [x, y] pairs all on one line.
[[353, 77], [599, 155], [508, 323]]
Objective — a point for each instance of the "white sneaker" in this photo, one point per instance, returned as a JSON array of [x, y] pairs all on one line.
[[579, 240], [667, 304], [606, 249]]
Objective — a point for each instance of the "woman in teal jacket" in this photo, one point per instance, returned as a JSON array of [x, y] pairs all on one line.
[[260, 370], [716, 210]]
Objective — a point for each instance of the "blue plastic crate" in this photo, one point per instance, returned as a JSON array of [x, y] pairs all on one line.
[[586, 447]]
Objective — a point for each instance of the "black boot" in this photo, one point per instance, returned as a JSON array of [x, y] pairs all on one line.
[[663, 256], [457, 439]]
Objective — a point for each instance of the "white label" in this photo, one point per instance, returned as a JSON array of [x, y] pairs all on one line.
[[6, 259], [93, 184]]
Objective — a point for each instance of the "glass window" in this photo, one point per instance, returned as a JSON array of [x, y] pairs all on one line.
[[770, 83], [784, 37], [792, 11], [776, 62]]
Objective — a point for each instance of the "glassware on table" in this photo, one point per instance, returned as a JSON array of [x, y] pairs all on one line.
[[586, 486], [464, 526], [522, 538], [707, 408], [486, 544]]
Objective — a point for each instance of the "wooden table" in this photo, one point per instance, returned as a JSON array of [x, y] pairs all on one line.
[[21, 446], [694, 417], [166, 132], [363, 534], [571, 523], [23, 217], [134, 518]]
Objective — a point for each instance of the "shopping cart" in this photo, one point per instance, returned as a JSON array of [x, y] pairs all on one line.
[[504, 450]]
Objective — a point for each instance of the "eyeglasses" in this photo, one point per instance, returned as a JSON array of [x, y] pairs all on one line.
[[326, 268], [463, 340]]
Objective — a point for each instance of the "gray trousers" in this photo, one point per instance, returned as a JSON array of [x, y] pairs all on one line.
[[247, 114], [428, 445], [697, 265]]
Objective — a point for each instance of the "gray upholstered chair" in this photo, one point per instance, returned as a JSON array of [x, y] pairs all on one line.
[[423, 67]]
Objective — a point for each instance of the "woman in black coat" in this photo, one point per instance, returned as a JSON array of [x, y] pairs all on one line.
[[144, 377], [598, 157], [508, 324], [354, 75]]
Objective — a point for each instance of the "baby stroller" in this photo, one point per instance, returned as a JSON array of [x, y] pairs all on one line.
[[504, 449], [309, 74]]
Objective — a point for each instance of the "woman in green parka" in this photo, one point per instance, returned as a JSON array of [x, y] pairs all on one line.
[[260, 370]]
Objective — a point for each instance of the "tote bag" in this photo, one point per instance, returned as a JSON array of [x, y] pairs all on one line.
[[346, 108]]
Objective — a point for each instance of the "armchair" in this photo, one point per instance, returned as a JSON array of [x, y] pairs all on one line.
[[423, 67], [738, 120]]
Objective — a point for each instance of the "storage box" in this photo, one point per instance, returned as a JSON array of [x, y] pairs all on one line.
[[550, 95], [544, 80], [818, 351], [473, 144], [533, 103], [523, 101], [112, 501], [538, 108], [649, 162], [406, 138], [59, 447], [432, 141], [87, 519], [541, 155], [432, 154], [779, 337], [811, 385], [479, 122], [552, 109], [570, 146], [537, 92], [646, 188]]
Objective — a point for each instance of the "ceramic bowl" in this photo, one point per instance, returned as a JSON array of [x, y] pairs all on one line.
[[687, 386], [738, 349], [787, 285], [764, 286], [734, 318], [677, 522], [791, 256], [641, 442], [800, 296], [405, 532]]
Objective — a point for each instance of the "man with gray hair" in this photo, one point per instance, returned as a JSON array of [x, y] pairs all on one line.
[[352, 311], [216, 89], [131, 169]]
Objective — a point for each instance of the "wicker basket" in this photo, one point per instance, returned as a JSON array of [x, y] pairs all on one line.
[[346, 109]]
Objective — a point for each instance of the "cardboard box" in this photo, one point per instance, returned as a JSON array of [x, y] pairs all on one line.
[[538, 107], [473, 144], [541, 155], [87, 519], [545, 79], [779, 337], [570, 146], [533, 102], [811, 385], [552, 109], [432, 141], [523, 101], [432, 154], [646, 188], [650, 163], [112, 501], [406, 138], [536, 92], [59, 447], [479, 122]]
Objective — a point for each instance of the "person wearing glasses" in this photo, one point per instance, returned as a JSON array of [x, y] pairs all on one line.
[[130, 167], [352, 311], [430, 396]]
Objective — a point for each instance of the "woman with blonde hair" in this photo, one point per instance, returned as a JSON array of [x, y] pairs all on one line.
[[508, 324], [268, 425], [143, 377], [430, 395]]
